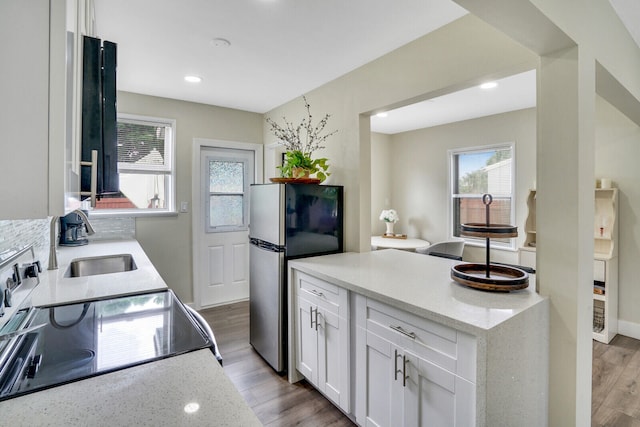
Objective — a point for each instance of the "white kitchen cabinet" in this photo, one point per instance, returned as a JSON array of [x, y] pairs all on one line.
[[407, 370], [471, 358], [40, 112], [322, 338]]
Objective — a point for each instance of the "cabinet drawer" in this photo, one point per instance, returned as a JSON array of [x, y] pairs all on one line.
[[599, 270], [430, 340], [321, 293]]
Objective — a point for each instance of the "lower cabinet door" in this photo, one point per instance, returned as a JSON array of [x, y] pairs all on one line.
[[435, 397], [403, 389], [333, 359], [383, 383], [307, 342]]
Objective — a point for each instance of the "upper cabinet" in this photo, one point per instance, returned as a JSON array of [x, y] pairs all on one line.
[[40, 113]]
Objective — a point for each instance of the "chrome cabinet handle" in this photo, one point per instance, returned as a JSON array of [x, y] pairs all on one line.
[[404, 370], [316, 318], [314, 322], [395, 365], [411, 335], [316, 293]]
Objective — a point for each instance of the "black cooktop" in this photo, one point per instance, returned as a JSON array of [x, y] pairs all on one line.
[[55, 345]]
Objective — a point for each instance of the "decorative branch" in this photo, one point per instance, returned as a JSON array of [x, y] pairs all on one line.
[[290, 135]]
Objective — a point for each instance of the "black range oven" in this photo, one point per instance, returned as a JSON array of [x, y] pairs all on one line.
[[41, 347]]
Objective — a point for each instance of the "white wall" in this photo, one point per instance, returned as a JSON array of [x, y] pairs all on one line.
[[381, 179], [167, 240], [418, 183], [458, 55], [617, 154], [419, 166]]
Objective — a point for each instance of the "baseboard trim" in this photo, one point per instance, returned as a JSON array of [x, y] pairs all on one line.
[[629, 329]]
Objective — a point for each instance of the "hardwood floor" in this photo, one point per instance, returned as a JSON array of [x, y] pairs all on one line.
[[272, 398], [615, 383]]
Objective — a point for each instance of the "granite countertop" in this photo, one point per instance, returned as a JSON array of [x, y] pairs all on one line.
[[151, 394], [422, 285], [56, 287], [148, 395]]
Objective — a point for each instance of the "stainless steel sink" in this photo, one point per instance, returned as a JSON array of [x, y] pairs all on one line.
[[105, 264]]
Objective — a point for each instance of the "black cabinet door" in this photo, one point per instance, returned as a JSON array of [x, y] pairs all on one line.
[[99, 115]]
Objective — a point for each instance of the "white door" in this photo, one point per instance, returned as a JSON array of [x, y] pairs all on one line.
[[223, 249]]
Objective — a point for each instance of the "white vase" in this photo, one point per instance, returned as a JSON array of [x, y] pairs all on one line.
[[389, 227]]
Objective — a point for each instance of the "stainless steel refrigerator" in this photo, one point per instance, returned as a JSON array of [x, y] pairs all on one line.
[[286, 221]]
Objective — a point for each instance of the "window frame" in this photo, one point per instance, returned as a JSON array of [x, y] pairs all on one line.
[[232, 156], [475, 241], [168, 170]]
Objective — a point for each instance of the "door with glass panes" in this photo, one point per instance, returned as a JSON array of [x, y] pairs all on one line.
[[224, 248]]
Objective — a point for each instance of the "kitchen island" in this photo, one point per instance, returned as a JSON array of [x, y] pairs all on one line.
[[413, 343], [187, 389]]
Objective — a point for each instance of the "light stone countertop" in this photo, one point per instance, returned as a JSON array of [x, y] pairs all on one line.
[[151, 394], [154, 394], [56, 287], [422, 285]]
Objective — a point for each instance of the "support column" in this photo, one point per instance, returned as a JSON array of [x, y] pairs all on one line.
[[565, 210]]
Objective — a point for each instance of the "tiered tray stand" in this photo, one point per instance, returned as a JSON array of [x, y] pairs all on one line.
[[487, 276]]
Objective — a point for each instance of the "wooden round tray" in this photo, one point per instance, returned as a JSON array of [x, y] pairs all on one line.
[[501, 278], [476, 229]]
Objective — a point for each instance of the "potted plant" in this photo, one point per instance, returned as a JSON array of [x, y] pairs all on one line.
[[390, 217], [301, 141]]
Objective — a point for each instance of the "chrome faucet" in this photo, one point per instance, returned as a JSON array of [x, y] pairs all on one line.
[[53, 256]]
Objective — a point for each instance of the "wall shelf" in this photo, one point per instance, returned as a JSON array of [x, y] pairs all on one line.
[[605, 264]]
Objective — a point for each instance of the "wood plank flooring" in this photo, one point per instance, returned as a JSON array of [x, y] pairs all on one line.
[[615, 383], [615, 398], [274, 401]]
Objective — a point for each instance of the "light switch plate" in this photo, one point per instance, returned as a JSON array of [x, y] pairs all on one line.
[[184, 206]]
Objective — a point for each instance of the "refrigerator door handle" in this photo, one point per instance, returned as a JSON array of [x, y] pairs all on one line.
[[267, 246]]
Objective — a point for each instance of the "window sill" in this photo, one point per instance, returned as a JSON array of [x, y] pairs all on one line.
[[130, 214]]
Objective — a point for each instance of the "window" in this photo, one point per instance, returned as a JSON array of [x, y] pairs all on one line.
[[145, 167], [227, 178], [478, 171]]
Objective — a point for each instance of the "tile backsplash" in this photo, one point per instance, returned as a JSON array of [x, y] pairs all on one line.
[[20, 233], [113, 228], [16, 234]]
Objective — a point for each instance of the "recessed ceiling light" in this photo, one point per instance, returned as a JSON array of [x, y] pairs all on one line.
[[488, 85], [220, 42], [191, 407], [381, 115], [193, 79]]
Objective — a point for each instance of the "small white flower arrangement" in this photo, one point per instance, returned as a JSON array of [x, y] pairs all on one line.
[[389, 215]]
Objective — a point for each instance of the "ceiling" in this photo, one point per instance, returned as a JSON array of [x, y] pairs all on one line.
[[511, 93], [280, 49]]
